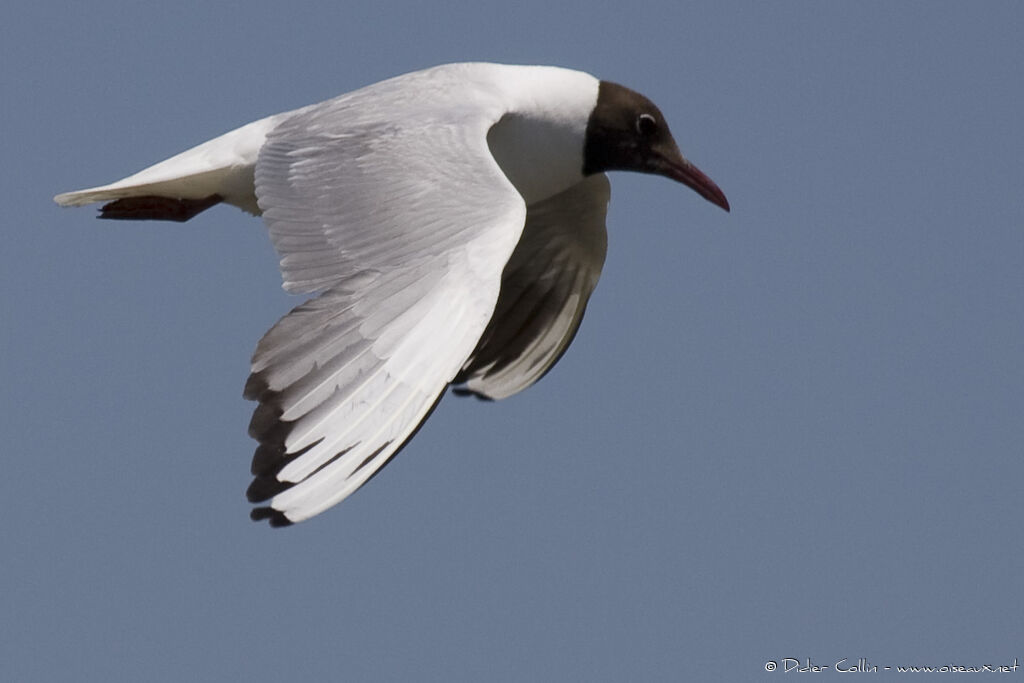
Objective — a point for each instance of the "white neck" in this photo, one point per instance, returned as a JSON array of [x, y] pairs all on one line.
[[539, 143]]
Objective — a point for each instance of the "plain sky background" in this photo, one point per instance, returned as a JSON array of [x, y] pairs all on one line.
[[795, 430]]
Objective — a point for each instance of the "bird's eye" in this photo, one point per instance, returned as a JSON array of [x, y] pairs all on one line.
[[646, 125]]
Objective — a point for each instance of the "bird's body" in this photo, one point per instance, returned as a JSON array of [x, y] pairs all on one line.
[[452, 220]]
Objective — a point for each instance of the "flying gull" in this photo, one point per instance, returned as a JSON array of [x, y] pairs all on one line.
[[452, 224]]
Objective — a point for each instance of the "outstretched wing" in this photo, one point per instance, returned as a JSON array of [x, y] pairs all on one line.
[[406, 224], [544, 291]]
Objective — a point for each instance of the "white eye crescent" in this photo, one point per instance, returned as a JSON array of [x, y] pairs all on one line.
[[646, 125]]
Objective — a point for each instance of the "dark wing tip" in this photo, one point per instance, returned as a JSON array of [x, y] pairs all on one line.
[[266, 425], [463, 391], [275, 517], [255, 387], [266, 487], [268, 460]]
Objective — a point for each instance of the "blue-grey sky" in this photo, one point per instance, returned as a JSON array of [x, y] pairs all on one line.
[[792, 431]]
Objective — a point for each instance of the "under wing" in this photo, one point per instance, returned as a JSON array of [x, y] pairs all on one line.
[[544, 291]]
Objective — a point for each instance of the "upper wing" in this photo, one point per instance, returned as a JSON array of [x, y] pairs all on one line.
[[544, 291], [407, 223]]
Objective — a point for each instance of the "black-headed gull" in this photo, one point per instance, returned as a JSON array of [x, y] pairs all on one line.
[[453, 221]]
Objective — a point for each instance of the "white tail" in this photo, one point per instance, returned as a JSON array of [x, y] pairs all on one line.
[[222, 167]]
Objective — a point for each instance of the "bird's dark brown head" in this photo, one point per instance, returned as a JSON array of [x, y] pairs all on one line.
[[626, 132]]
